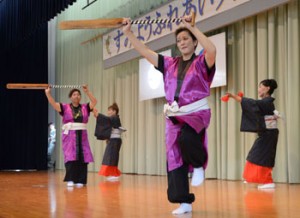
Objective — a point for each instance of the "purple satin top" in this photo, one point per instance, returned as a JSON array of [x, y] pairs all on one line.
[[69, 140], [195, 86]]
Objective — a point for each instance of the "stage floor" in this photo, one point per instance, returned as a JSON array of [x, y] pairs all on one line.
[[44, 194]]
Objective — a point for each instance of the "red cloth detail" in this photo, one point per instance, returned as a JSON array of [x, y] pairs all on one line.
[[240, 93], [109, 171], [257, 174], [225, 98]]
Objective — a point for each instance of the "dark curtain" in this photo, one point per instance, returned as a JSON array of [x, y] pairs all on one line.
[[19, 19], [24, 113], [24, 59]]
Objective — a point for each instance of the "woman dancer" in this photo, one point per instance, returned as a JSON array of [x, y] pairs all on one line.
[[260, 116], [109, 128], [75, 144], [187, 82]]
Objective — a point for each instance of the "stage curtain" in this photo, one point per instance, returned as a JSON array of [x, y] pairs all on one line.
[[20, 19], [24, 112]]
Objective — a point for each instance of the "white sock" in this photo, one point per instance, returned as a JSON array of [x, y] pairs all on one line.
[[183, 208], [112, 178], [70, 184], [198, 176], [79, 185], [266, 186]]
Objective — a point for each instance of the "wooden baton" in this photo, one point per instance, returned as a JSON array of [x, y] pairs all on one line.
[[37, 86], [113, 23]]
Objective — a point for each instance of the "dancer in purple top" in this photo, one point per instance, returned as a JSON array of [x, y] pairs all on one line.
[[75, 144], [187, 81]]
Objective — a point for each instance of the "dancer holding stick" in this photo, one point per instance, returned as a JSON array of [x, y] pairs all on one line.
[[187, 84], [75, 144]]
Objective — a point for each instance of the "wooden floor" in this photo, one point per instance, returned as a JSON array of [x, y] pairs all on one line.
[[43, 194]]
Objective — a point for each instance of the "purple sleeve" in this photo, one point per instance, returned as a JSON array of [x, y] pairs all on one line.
[[87, 108]]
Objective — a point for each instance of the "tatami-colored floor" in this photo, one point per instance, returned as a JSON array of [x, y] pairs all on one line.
[[43, 194]]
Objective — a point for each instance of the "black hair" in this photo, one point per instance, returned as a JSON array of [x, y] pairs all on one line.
[[114, 107], [72, 91], [181, 29], [271, 83]]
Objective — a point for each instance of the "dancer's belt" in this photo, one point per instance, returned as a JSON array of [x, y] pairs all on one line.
[[175, 110], [116, 133], [73, 126], [271, 120]]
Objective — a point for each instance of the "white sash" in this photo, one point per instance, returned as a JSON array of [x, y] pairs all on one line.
[[175, 110], [271, 120], [73, 126], [116, 133]]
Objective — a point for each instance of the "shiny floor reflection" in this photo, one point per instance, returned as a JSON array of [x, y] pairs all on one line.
[[43, 194]]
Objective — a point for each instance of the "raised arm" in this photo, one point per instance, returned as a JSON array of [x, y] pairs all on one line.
[[93, 100], [51, 100], [147, 53], [209, 47]]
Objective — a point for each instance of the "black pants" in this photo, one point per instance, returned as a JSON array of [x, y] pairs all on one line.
[[76, 171], [193, 153], [178, 186], [192, 147]]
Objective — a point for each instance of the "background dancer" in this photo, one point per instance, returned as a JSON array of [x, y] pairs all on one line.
[[75, 144], [260, 116], [109, 128]]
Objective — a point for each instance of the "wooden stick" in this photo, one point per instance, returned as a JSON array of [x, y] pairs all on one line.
[[37, 86], [91, 24], [113, 23]]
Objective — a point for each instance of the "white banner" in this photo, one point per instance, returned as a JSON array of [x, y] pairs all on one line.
[[116, 43]]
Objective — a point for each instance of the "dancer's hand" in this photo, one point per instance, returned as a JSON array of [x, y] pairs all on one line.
[[126, 25], [187, 20], [48, 90], [95, 111], [85, 88], [225, 98]]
